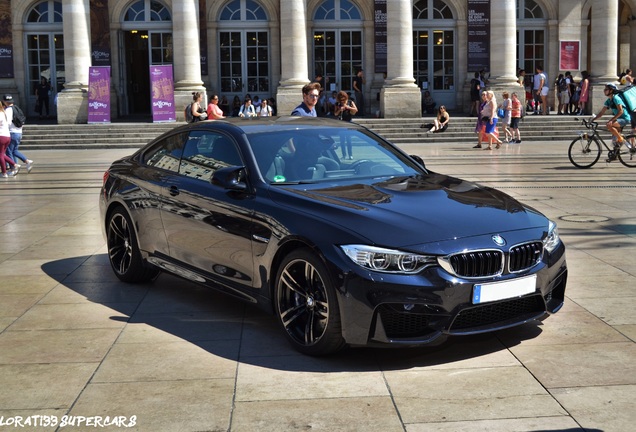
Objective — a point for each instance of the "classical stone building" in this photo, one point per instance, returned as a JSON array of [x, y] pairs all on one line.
[[271, 48]]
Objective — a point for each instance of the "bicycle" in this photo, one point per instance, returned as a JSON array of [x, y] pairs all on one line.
[[586, 150]]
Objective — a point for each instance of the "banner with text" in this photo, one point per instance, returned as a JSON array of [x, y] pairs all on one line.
[[6, 41], [99, 94], [162, 88], [100, 33], [380, 33], [569, 55], [478, 35]]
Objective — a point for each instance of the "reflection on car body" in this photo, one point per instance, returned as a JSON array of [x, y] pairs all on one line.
[[372, 251]]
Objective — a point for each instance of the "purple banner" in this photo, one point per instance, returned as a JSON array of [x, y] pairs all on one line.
[[99, 94], [162, 88]]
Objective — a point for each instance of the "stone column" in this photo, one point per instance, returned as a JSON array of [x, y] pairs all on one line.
[[400, 96], [294, 47], [604, 51], [187, 57], [632, 44], [72, 102], [503, 43]]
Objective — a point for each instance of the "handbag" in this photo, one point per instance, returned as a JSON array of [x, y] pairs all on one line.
[[501, 113]]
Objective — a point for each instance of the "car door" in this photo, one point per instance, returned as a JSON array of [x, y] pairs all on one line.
[[208, 227], [144, 194]]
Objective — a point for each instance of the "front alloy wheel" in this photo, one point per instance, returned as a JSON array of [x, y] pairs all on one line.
[[306, 304]]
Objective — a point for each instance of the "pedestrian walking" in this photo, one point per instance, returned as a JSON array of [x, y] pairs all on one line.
[[15, 130]]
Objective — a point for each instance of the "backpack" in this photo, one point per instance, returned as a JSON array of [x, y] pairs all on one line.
[[189, 118], [19, 119], [628, 96], [563, 85]]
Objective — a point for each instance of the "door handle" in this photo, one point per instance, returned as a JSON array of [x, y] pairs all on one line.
[[173, 191]]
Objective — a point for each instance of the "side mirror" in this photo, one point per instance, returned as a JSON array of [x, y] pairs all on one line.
[[419, 160], [230, 178]]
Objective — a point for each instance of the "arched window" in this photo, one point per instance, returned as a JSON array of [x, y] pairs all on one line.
[[532, 42], [438, 10], [44, 49], [244, 50], [147, 10], [245, 10], [46, 12], [337, 10], [338, 42], [529, 9], [434, 49]]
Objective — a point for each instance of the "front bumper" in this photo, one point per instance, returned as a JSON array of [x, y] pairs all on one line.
[[419, 309]]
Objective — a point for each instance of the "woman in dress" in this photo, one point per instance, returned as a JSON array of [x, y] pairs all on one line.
[[440, 123], [585, 92], [489, 116]]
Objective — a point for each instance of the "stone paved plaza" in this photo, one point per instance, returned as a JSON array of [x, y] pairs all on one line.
[[172, 356]]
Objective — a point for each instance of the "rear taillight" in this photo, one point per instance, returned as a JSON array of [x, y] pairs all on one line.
[[106, 174]]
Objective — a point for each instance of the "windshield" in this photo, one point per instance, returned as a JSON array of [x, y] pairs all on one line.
[[314, 154]]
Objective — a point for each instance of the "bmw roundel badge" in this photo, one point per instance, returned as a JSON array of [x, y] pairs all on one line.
[[499, 240]]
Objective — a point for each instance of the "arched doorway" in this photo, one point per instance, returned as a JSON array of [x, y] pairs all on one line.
[[532, 43], [434, 53], [337, 43], [244, 50], [44, 52], [146, 39]]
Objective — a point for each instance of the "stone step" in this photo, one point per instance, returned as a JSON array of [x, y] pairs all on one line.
[[399, 131]]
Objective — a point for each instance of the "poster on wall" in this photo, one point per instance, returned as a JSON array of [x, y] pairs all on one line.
[[99, 94], [162, 94], [569, 55], [6, 41], [478, 35], [100, 33], [380, 33]]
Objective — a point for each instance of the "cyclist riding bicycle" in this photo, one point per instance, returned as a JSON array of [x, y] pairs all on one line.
[[621, 114]]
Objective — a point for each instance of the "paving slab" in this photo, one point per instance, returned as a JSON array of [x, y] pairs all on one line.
[[74, 341]]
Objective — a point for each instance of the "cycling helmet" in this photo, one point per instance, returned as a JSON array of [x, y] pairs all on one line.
[[611, 86]]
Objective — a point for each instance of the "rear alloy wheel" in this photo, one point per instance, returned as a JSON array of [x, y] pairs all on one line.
[[307, 306], [123, 250]]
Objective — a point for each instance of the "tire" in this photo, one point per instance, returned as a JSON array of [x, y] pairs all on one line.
[[307, 306], [627, 154], [584, 153], [123, 249]]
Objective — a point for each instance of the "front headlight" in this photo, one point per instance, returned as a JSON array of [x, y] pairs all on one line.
[[387, 260], [552, 240]]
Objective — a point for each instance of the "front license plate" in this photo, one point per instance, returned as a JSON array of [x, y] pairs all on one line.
[[483, 293]]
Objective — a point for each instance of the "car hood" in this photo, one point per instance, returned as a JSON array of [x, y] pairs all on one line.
[[411, 210]]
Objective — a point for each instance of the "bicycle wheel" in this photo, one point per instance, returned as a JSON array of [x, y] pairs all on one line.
[[627, 153], [584, 152]]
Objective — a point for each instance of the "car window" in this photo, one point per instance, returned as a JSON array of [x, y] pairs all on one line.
[[166, 153], [207, 151], [302, 155]]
